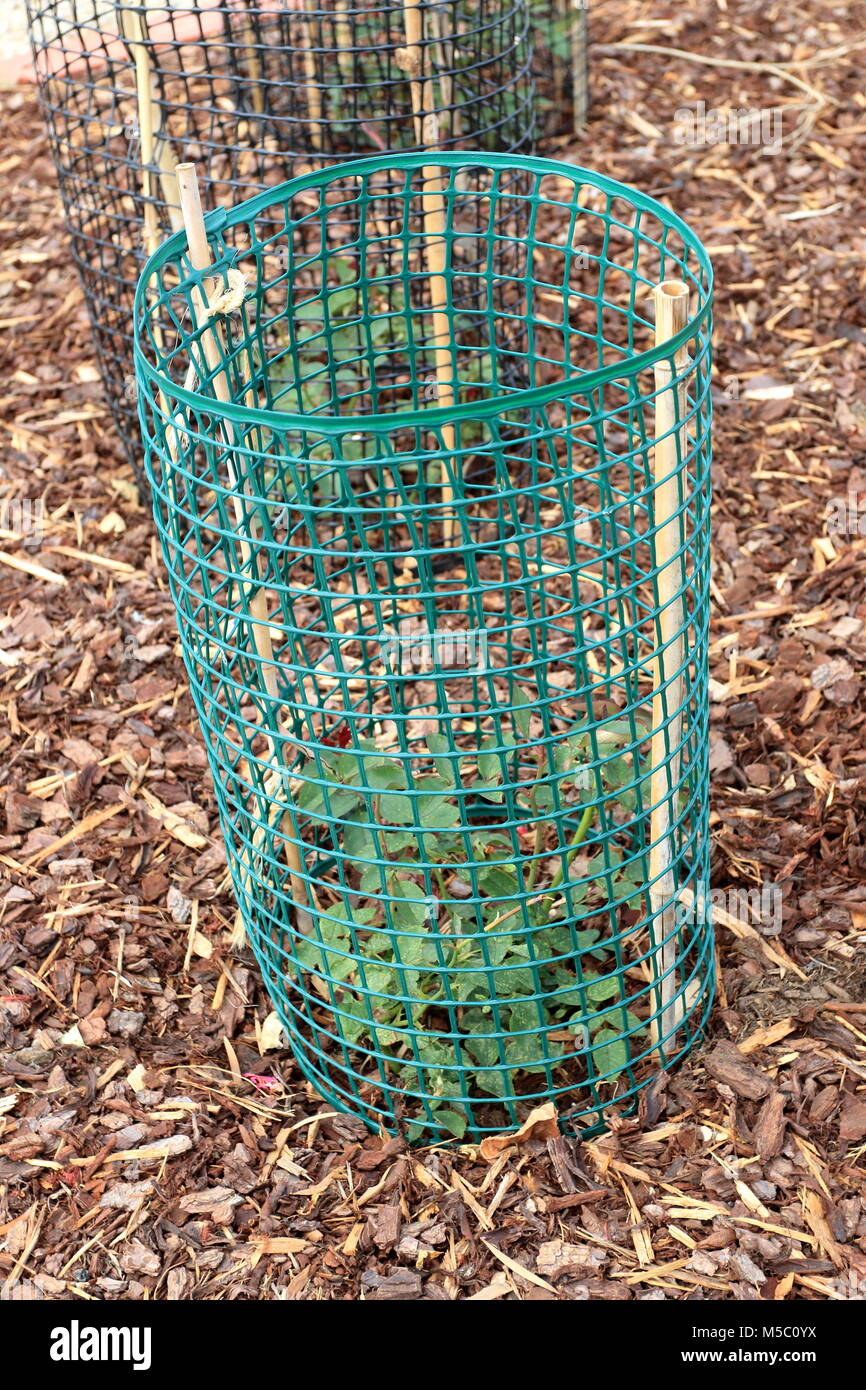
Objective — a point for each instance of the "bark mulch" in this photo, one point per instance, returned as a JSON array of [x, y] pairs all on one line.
[[154, 1139]]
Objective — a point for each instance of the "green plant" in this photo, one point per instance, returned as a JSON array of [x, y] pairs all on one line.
[[554, 20], [464, 957], [339, 341]]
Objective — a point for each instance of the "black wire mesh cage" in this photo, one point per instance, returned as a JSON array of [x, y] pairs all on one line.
[[560, 46], [254, 93]]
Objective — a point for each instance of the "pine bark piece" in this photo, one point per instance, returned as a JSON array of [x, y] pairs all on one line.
[[385, 1224], [852, 1125], [558, 1257], [726, 1063], [402, 1284], [769, 1134]]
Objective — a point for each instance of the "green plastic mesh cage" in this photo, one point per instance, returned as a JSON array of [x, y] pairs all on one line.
[[454, 696]]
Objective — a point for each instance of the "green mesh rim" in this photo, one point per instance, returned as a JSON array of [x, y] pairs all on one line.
[[583, 383]]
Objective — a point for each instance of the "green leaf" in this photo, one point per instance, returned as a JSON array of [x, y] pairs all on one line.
[[568, 754], [338, 964], [523, 1052], [416, 950], [453, 1122], [358, 841], [348, 767], [398, 842], [486, 843], [610, 987], [563, 941], [382, 979], [468, 988], [575, 892], [499, 948], [340, 799], [563, 981], [609, 1054], [439, 745], [497, 881], [344, 270], [396, 810], [435, 784], [485, 1053], [412, 906], [386, 776], [309, 954], [371, 878], [312, 310], [436, 814], [523, 1017], [490, 767], [339, 301], [434, 1054], [619, 732], [356, 1026], [543, 799], [522, 714]]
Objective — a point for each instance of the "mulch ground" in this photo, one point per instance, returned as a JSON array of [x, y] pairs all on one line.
[[153, 1140]]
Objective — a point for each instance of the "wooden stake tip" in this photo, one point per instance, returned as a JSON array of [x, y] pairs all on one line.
[[672, 289]]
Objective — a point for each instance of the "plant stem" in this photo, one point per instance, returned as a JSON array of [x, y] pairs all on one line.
[[541, 826], [579, 836]]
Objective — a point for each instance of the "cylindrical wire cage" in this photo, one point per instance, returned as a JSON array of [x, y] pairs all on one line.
[[560, 47], [255, 92], [429, 645]]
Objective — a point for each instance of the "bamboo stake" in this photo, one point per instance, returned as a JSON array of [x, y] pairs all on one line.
[[672, 308], [314, 95], [446, 80], [578, 41], [155, 150], [559, 66], [255, 67], [410, 60], [132, 25], [213, 348], [343, 35]]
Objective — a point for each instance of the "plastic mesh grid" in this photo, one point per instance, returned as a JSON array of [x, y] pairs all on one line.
[[435, 790]]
